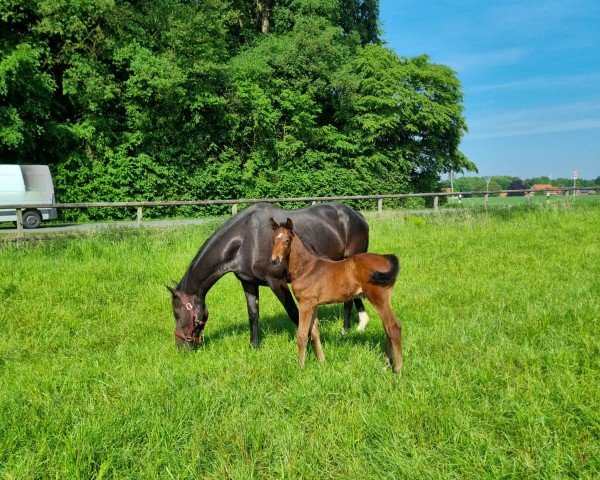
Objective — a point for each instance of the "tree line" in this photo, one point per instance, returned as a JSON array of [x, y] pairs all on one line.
[[198, 99], [504, 182]]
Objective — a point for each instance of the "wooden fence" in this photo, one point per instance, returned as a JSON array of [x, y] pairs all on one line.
[[528, 193]]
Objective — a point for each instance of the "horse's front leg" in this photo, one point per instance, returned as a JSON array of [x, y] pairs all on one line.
[[251, 292], [282, 292]]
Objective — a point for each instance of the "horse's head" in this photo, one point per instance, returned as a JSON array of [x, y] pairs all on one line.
[[191, 316], [282, 240]]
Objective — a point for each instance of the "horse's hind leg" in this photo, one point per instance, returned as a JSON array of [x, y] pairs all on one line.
[[363, 318], [347, 313]]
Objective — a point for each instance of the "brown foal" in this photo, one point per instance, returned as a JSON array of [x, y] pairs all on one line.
[[317, 280]]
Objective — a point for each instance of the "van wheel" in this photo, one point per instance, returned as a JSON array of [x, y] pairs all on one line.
[[32, 219]]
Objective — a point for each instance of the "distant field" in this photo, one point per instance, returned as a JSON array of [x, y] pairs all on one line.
[[495, 201], [501, 315]]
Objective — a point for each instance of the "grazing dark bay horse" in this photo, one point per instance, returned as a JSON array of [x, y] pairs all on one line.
[[243, 246], [317, 280]]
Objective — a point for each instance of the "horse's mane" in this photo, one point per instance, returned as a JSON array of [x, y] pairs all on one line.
[[310, 246], [214, 237], [307, 244]]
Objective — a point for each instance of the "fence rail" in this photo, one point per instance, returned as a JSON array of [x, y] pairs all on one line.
[[20, 208]]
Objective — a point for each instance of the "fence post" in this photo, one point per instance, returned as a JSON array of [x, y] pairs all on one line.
[[380, 205], [19, 223], [486, 199], [233, 209], [139, 216], [547, 198], [436, 203], [528, 198], [460, 198]]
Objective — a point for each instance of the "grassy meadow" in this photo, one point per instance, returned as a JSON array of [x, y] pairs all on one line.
[[501, 379], [521, 200]]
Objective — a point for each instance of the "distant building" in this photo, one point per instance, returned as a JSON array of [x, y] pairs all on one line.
[[546, 187]]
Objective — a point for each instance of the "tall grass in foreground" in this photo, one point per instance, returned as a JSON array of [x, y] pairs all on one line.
[[501, 371]]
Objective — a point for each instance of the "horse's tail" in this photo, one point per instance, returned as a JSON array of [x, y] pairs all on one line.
[[387, 278]]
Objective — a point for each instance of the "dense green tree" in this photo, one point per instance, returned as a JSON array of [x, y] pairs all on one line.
[[405, 116], [529, 182], [517, 184], [355, 17], [25, 93], [219, 99]]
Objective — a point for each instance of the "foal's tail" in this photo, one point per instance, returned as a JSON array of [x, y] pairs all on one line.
[[387, 278]]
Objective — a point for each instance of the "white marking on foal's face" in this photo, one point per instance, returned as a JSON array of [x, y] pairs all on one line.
[[279, 236]]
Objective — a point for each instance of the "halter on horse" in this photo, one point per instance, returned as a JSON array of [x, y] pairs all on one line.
[[196, 327]]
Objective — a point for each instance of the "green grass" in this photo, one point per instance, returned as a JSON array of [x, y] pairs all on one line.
[[501, 368]]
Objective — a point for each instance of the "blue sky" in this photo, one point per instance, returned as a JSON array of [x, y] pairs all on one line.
[[530, 72]]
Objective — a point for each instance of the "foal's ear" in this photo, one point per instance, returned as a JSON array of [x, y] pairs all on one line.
[[289, 225], [274, 225]]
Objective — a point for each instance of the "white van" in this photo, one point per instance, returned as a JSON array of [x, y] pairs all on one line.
[[27, 185]]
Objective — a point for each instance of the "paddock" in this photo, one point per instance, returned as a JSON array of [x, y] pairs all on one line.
[[500, 315]]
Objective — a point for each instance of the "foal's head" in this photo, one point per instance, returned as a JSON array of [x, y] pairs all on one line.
[[190, 317], [282, 240]]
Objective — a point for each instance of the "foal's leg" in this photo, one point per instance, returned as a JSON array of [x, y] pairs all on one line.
[[394, 333], [380, 298], [316, 338], [307, 313], [251, 292], [389, 355]]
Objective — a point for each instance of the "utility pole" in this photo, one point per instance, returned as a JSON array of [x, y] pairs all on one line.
[[487, 183]]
